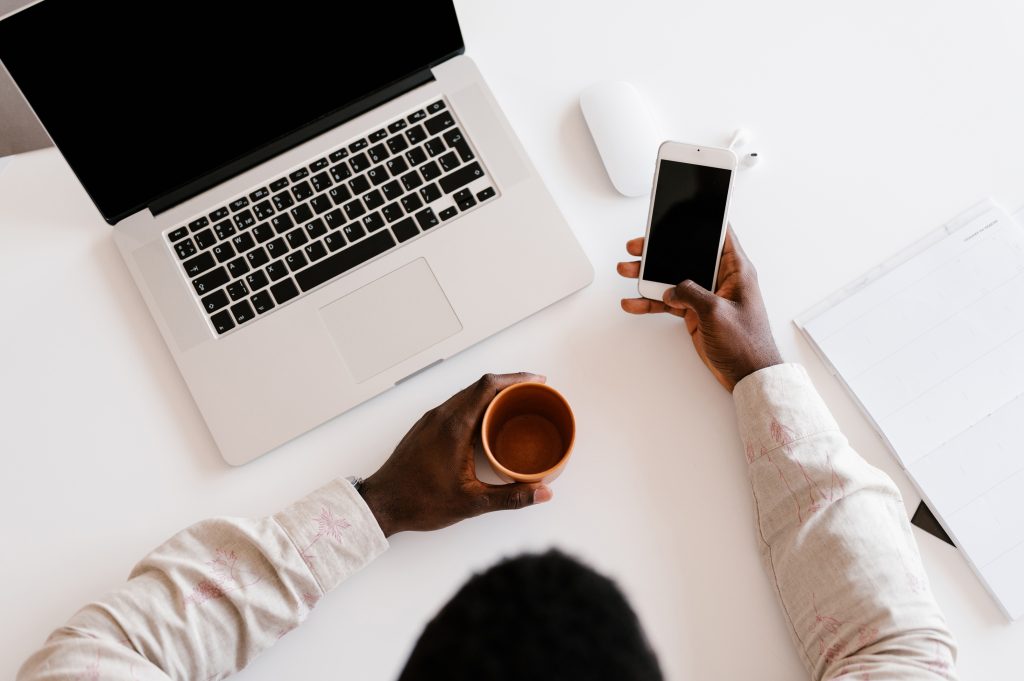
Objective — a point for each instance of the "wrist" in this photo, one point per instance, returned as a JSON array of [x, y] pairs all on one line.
[[765, 357], [377, 500]]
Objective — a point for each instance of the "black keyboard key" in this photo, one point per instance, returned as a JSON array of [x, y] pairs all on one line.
[[415, 134], [224, 230], [340, 194], [436, 106], [373, 200], [397, 166], [378, 175], [449, 161], [277, 247], [237, 290], [411, 180], [357, 145], [392, 212], [302, 191], [416, 156], [405, 230], [199, 264], [298, 174], [283, 201], [237, 267], [238, 204], [223, 252], [417, 116], [316, 228], [485, 194], [263, 210], [215, 301], [392, 190], [377, 153], [278, 185], [460, 177], [345, 260], [378, 135], [430, 193], [243, 242], [257, 280], [262, 302], [373, 222], [341, 172], [242, 312], [354, 209], [258, 194], [211, 280], [223, 322], [397, 144], [302, 213], [177, 234], [449, 213], [353, 231], [334, 219], [296, 238], [284, 291], [439, 123], [295, 260], [263, 232], [218, 214], [276, 270], [334, 241], [467, 204], [320, 204], [258, 257], [315, 251], [205, 239], [462, 195], [320, 182], [464, 152], [318, 164], [359, 163], [185, 249], [336, 156], [245, 219], [426, 218], [452, 137], [396, 126], [412, 202], [359, 184], [434, 146], [282, 223], [430, 171], [199, 223]]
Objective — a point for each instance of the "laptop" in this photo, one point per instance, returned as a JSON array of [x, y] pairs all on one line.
[[316, 199]]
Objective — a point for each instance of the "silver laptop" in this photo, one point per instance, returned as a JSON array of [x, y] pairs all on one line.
[[316, 199]]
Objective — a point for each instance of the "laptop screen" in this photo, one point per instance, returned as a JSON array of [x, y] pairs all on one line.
[[143, 98]]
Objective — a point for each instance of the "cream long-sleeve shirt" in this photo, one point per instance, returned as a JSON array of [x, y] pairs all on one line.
[[833, 533]]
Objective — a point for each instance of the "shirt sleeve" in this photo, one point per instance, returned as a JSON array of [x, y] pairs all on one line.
[[835, 541], [209, 600]]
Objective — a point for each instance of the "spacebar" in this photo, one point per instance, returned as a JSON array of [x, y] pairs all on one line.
[[343, 261]]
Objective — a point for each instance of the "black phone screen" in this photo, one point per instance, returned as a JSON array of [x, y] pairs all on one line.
[[686, 223]]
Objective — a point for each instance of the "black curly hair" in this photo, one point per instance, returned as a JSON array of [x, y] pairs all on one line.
[[537, 615]]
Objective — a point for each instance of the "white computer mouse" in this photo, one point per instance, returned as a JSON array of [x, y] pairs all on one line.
[[625, 133]]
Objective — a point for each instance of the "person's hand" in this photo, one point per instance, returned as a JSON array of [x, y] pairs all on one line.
[[429, 482], [729, 328]]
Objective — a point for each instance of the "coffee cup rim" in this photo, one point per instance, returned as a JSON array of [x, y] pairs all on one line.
[[515, 475]]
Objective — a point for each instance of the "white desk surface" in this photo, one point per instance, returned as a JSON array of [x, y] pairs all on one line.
[[877, 122]]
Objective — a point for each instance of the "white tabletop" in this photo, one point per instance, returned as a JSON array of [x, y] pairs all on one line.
[[877, 121]]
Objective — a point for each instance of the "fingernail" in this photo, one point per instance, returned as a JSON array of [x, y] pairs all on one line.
[[541, 494]]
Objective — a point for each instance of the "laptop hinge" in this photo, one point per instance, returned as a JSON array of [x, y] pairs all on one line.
[[279, 146]]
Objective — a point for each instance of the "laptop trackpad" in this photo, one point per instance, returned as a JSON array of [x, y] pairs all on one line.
[[390, 320]]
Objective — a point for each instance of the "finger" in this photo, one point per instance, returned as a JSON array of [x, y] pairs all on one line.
[[635, 246], [692, 295], [513, 496], [477, 396], [648, 306], [630, 270]]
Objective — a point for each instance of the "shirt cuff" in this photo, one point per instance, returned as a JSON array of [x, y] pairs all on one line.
[[334, 531], [777, 406]]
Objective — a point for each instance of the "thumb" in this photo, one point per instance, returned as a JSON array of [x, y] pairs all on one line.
[[690, 294], [517, 495]]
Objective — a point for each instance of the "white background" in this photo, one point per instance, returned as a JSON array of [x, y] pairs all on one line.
[[877, 122]]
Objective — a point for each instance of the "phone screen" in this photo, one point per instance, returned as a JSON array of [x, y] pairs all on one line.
[[686, 223]]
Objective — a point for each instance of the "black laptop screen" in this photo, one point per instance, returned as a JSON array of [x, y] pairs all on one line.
[[143, 98]]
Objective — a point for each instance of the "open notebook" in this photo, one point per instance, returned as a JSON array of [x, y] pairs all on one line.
[[931, 345]]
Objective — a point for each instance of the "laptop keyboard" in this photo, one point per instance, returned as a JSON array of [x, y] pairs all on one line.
[[283, 239]]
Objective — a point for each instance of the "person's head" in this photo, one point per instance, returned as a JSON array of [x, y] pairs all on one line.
[[535, 616]]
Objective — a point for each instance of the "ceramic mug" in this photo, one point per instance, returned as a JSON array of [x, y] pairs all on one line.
[[528, 433]]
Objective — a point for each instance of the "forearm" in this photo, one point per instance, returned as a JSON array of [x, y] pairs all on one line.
[[214, 596], [835, 540]]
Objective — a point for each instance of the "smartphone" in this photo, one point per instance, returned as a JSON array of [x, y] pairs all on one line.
[[687, 219]]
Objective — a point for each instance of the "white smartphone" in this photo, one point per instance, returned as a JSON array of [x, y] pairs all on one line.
[[687, 219]]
